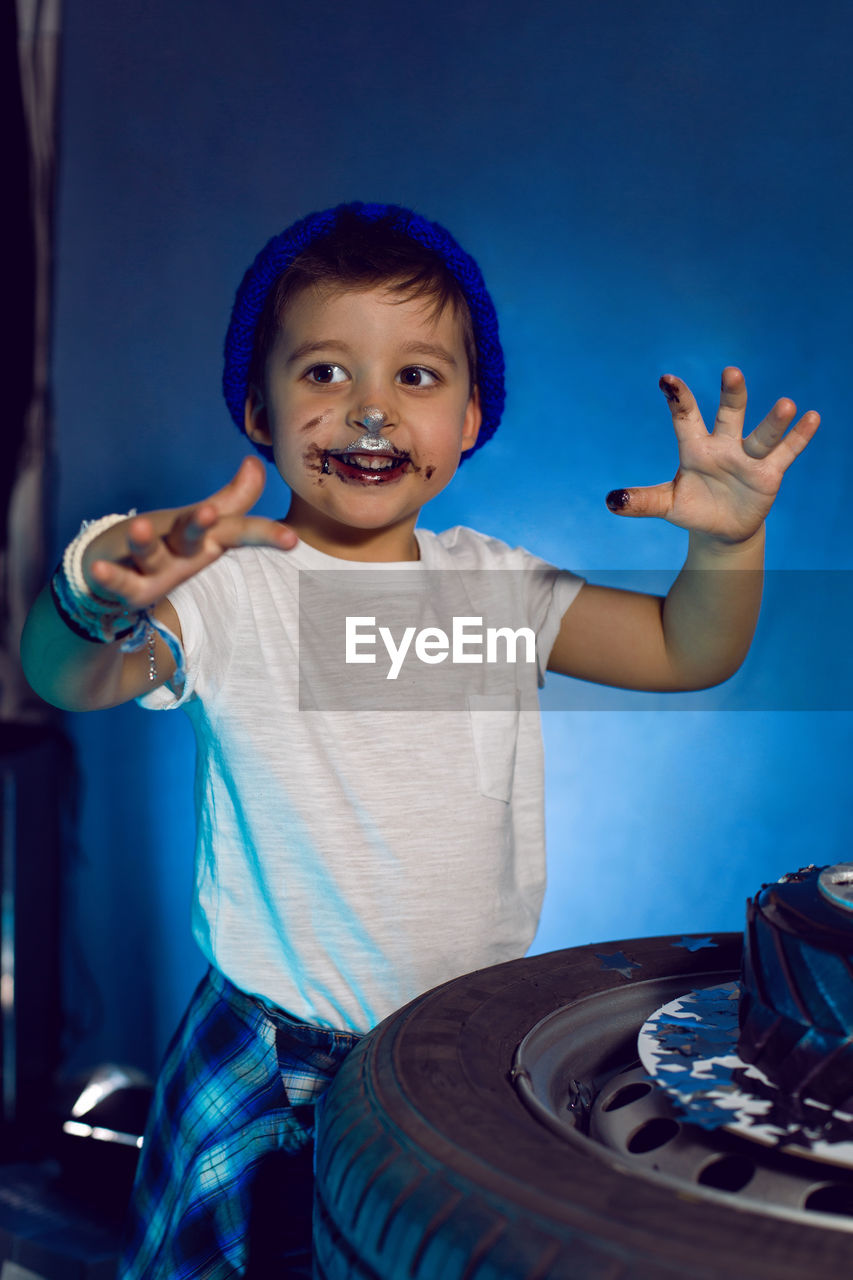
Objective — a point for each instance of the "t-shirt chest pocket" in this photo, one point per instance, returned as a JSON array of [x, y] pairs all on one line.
[[494, 728]]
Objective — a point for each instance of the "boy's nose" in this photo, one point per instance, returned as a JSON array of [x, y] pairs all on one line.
[[369, 421], [372, 419]]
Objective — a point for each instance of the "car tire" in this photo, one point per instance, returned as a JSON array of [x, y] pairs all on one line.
[[429, 1165]]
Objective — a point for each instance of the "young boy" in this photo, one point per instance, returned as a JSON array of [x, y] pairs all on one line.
[[348, 860]]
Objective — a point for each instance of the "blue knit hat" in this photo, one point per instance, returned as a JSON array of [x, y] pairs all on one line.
[[280, 252]]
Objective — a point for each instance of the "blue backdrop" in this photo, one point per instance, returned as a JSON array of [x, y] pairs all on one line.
[[649, 188]]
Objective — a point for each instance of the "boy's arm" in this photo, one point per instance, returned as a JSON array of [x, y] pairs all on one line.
[[136, 563], [725, 485]]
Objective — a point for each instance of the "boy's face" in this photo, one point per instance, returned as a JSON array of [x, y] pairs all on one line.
[[337, 353]]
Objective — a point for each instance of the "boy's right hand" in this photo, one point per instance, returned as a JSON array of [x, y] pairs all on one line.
[[140, 560]]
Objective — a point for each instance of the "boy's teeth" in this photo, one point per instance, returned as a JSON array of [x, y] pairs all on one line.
[[369, 462]]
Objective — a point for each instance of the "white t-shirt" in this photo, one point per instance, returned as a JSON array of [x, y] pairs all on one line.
[[348, 859]]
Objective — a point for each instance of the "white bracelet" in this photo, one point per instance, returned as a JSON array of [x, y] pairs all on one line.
[[85, 612], [103, 621]]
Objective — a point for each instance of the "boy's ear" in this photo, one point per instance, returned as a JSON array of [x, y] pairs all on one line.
[[473, 421], [255, 417]]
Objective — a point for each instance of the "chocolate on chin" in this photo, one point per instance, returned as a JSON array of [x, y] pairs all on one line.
[[796, 1005]]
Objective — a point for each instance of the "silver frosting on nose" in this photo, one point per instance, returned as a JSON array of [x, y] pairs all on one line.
[[373, 420]]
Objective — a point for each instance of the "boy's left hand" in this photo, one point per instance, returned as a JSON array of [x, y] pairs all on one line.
[[726, 483]]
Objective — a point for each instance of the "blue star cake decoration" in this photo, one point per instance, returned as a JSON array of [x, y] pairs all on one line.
[[618, 962], [694, 944]]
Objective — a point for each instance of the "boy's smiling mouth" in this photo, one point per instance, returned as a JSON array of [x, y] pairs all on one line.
[[371, 468]]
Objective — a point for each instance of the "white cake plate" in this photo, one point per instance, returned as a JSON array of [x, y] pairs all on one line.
[[698, 1082]]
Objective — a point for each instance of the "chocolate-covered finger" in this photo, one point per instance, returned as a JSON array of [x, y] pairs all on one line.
[[686, 418], [618, 499], [648, 500]]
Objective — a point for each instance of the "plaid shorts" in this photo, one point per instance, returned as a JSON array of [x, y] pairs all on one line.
[[224, 1178]]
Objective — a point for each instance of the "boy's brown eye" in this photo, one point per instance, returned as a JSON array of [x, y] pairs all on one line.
[[325, 373], [416, 376]]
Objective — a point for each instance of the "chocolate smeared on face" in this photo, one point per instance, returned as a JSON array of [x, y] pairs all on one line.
[[313, 423], [369, 469], [315, 460]]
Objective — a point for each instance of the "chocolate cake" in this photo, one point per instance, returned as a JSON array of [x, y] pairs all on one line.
[[796, 1004]]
